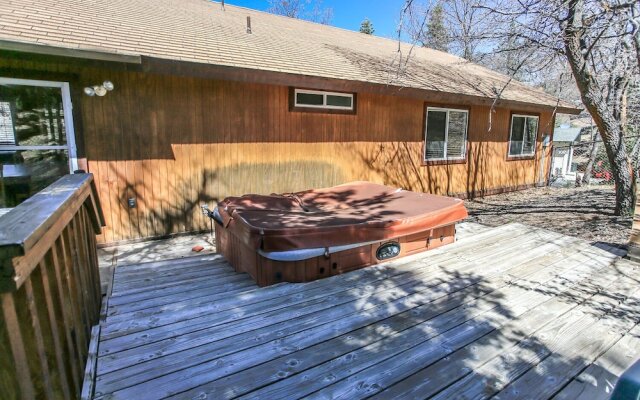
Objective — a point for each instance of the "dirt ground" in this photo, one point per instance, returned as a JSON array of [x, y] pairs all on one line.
[[586, 213]]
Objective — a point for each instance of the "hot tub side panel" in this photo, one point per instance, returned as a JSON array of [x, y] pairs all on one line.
[[268, 272]]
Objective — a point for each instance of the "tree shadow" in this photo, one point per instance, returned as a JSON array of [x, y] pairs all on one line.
[[453, 75], [174, 204], [587, 213]]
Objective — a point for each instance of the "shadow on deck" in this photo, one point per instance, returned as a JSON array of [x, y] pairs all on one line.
[[512, 312]]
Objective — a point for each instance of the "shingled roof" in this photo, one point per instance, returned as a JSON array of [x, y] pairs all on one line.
[[205, 32]]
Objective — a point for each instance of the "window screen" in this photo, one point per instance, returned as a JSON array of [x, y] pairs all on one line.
[[446, 134], [522, 140]]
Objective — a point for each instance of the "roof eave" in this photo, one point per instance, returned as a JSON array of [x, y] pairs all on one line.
[[57, 51]]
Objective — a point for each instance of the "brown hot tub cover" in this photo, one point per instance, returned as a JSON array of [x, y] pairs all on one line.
[[355, 212]]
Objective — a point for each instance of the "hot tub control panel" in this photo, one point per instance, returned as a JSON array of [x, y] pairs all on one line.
[[388, 250]]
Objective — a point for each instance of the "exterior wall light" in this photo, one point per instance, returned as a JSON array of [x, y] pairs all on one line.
[[99, 90]]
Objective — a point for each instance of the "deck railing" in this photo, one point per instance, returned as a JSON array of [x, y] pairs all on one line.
[[49, 290]]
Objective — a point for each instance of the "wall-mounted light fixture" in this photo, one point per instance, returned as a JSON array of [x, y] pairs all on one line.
[[99, 90]]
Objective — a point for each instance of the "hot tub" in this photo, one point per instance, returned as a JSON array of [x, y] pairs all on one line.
[[304, 236]]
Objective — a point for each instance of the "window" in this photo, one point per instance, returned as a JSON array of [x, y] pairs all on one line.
[[524, 131], [445, 134], [7, 129], [327, 100], [36, 137]]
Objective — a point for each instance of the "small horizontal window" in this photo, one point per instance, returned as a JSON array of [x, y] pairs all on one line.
[[522, 139], [318, 99], [445, 134]]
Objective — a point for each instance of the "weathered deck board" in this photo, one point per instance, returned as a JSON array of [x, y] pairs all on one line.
[[597, 381], [206, 353], [437, 324]]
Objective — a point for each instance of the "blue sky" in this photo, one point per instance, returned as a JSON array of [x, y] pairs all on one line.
[[349, 13]]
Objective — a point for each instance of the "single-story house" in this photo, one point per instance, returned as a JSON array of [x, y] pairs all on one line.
[[176, 103], [563, 139]]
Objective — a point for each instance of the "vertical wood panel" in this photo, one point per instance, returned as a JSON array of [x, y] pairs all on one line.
[[56, 326], [17, 344], [38, 338], [72, 281], [62, 292], [35, 358], [173, 142]]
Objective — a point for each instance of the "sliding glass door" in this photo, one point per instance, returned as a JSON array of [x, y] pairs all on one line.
[[37, 144]]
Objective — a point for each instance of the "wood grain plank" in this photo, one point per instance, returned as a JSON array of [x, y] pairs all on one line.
[[271, 299], [80, 317], [241, 358], [17, 344], [88, 385], [39, 339], [55, 319], [166, 264], [61, 293], [143, 300], [333, 310], [580, 348], [457, 366], [169, 277], [521, 362], [599, 379], [375, 360], [330, 315]]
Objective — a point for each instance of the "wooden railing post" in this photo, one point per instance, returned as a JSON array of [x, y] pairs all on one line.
[[49, 290]]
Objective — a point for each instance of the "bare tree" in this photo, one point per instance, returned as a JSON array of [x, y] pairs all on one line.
[[300, 9], [596, 38], [467, 27], [288, 8], [585, 27]]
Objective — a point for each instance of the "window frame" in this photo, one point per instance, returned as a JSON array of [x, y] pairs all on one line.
[[65, 91], [445, 160], [529, 156], [324, 108]]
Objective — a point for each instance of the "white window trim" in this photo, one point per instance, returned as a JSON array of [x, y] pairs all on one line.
[[446, 135], [68, 118], [535, 142], [324, 99]]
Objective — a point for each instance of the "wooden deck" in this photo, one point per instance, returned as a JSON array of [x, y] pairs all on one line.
[[511, 312]]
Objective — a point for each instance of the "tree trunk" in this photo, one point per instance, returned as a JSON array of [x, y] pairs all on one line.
[[586, 178], [603, 116], [635, 156]]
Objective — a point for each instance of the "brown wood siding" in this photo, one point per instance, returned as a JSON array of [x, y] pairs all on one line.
[[174, 143]]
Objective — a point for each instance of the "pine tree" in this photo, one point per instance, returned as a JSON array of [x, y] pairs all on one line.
[[366, 27], [437, 36]]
